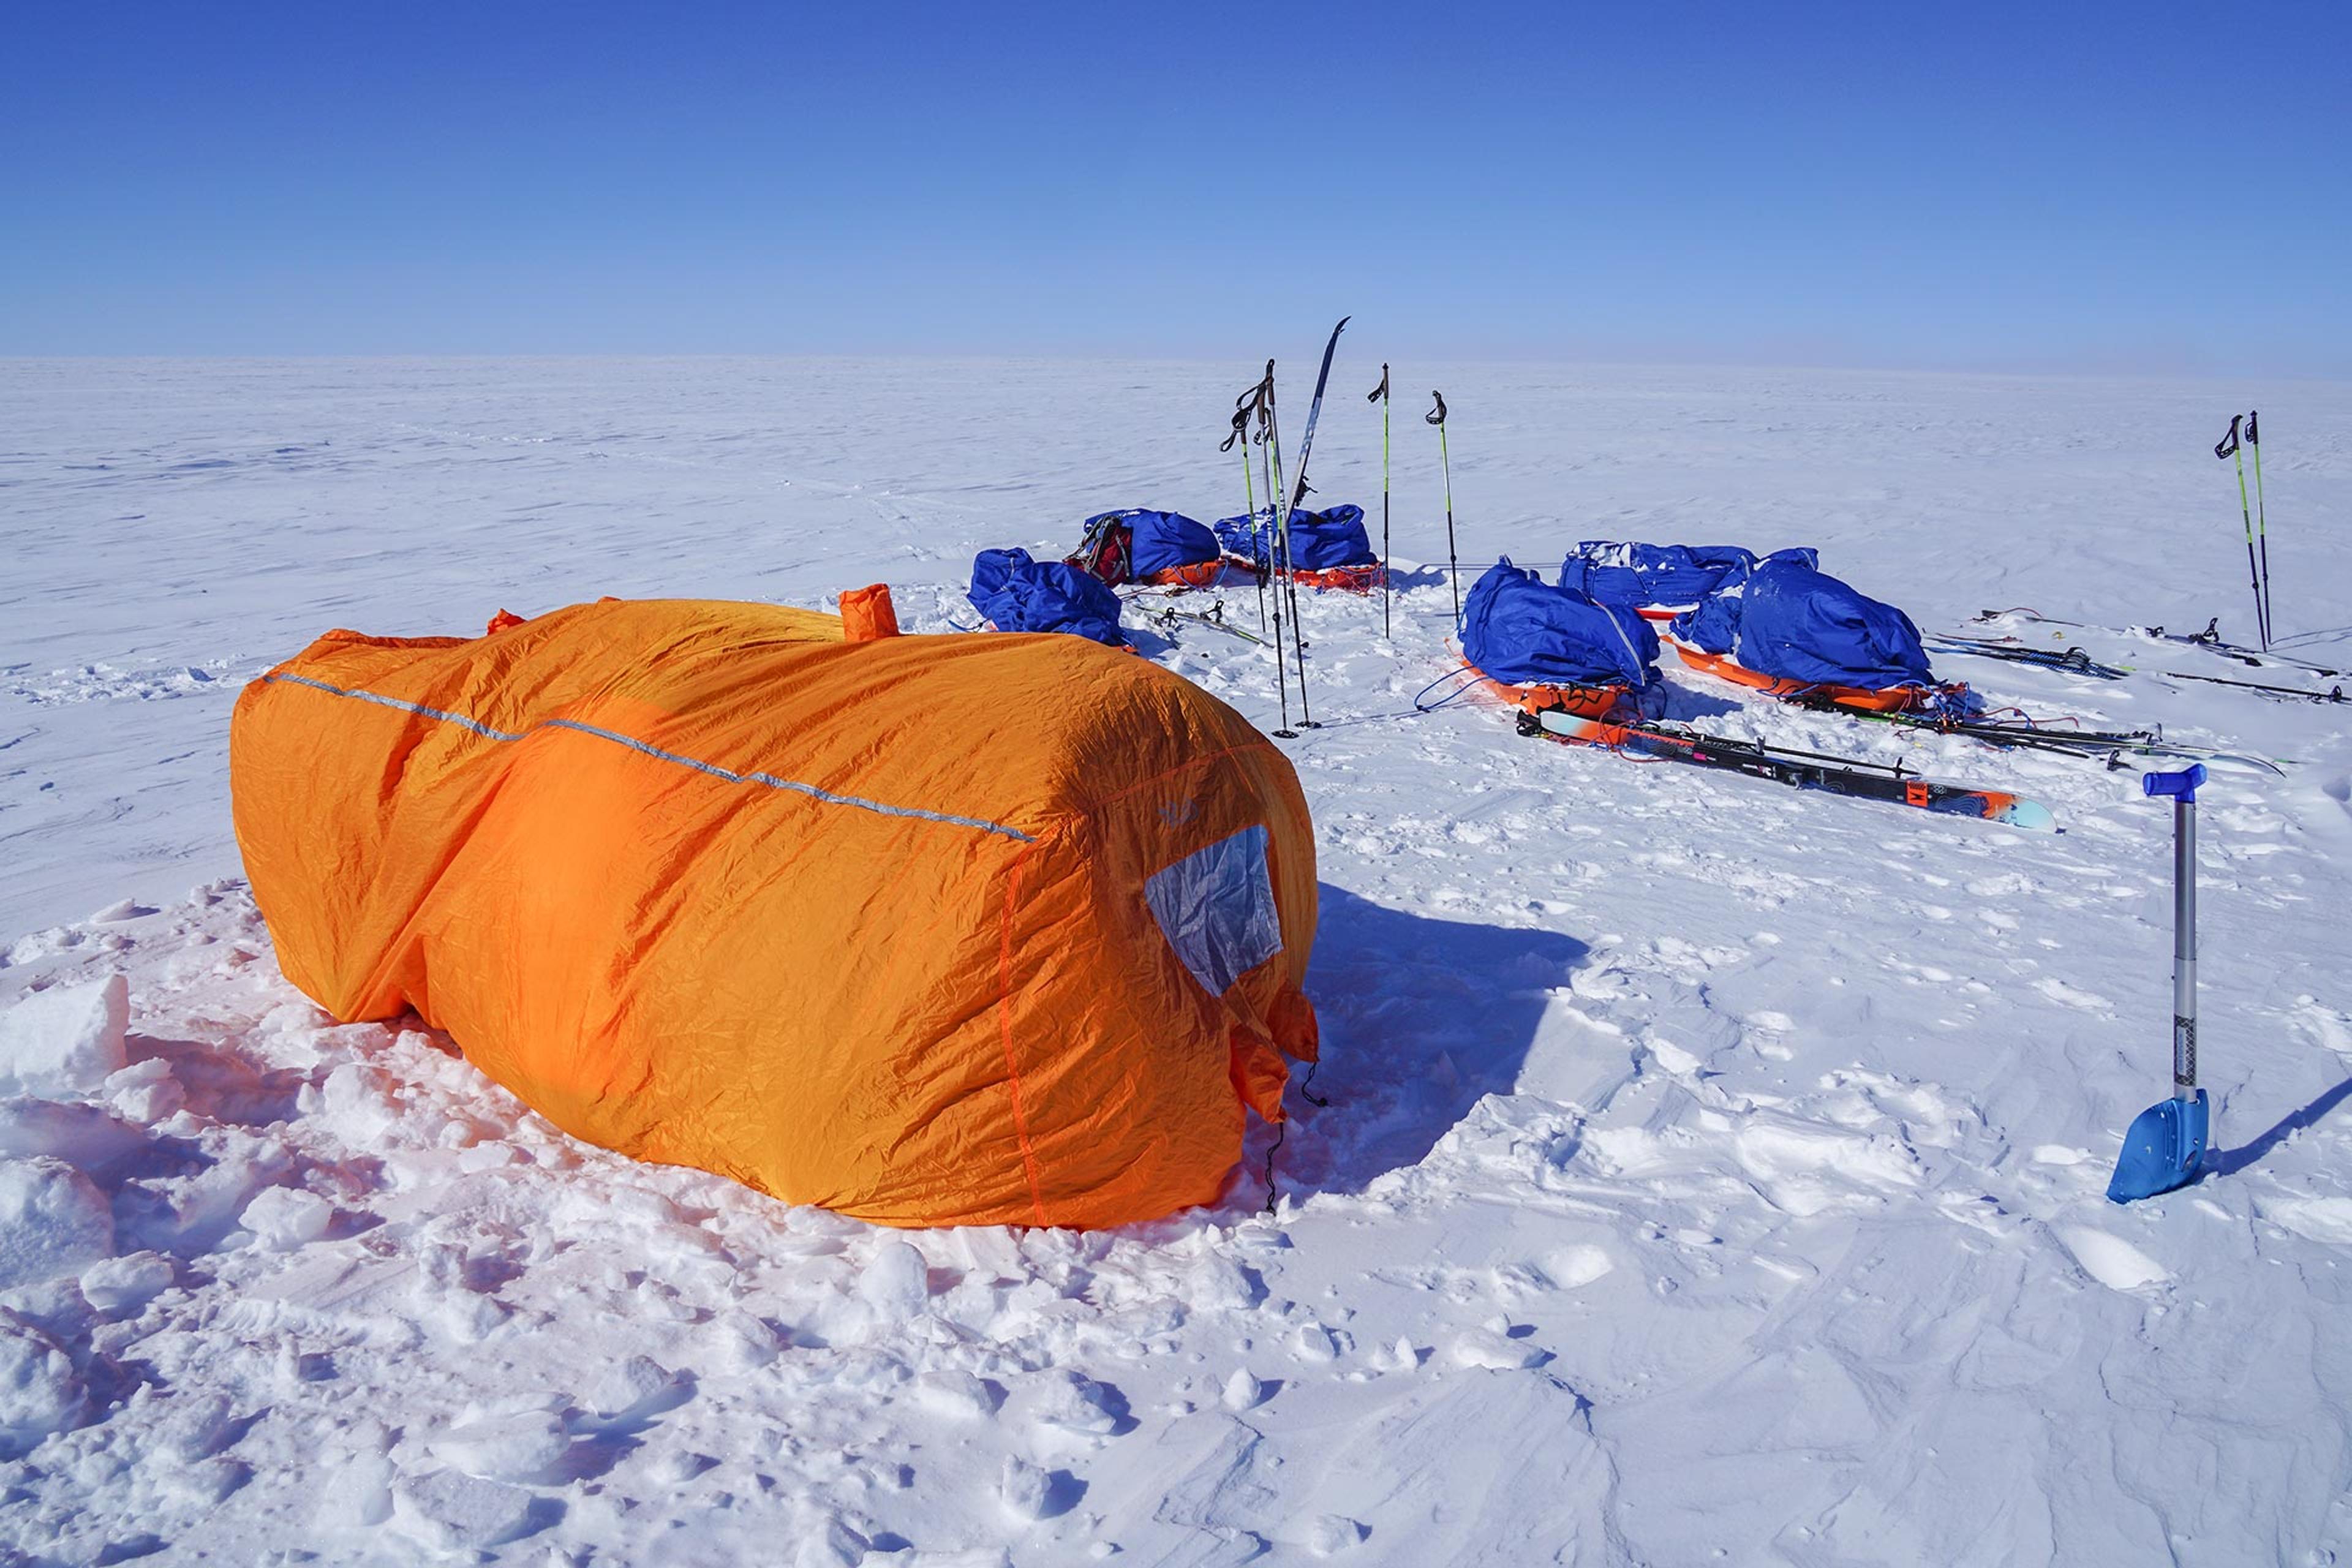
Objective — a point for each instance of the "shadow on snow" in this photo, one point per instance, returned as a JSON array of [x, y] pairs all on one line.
[[2229, 1162], [1421, 1019]]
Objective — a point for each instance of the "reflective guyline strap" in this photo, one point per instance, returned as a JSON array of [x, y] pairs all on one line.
[[713, 769]]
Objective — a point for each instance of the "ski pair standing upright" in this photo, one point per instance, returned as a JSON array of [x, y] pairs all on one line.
[[2257, 520]]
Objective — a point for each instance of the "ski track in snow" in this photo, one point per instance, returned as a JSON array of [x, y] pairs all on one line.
[[1711, 1172]]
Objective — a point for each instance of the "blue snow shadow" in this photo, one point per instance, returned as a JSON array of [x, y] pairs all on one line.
[[1421, 1017], [2230, 1161]]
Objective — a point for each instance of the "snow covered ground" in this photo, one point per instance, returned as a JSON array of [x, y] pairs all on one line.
[[1711, 1172]]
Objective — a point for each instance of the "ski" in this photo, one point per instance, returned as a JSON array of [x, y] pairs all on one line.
[[2291, 694], [1803, 770], [2024, 733], [2210, 639], [2074, 661], [2106, 745], [1214, 620], [1298, 493]]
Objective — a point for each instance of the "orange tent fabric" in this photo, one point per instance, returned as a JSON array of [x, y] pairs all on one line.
[[926, 930]]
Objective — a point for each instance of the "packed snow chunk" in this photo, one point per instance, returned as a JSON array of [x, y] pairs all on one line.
[[358, 1101], [65, 1040], [1023, 1489], [120, 1287], [504, 1447], [357, 1487], [1333, 1534], [1315, 1344], [1064, 1399], [39, 1392], [283, 1218], [829, 1542], [897, 1282], [205, 1483], [1573, 1267], [145, 1093], [457, 1512], [194, 1426], [631, 1388], [956, 1393], [1500, 1353], [53, 1221], [1242, 1391], [2111, 1260], [746, 1342], [206, 1207]]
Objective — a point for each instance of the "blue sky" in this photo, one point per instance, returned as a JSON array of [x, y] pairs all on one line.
[[2048, 186]]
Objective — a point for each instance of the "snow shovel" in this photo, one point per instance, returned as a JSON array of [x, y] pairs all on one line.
[[2165, 1146]]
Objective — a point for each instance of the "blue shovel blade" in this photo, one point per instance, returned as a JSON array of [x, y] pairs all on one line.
[[2163, 1149]]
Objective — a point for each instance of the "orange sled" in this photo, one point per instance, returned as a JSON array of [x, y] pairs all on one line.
[[1584, 701], [1346, 579], [1884, 699], [1192, 574]]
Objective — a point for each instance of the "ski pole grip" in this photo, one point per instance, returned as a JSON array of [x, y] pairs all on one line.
[[2182, 785]]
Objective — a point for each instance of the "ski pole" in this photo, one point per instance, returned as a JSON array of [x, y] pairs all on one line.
[[2165, 1146], [1453, 567], [2227, 446], [2262, 517], [1287, 588], [1243, 408], [1380, 395], [1272, 457]]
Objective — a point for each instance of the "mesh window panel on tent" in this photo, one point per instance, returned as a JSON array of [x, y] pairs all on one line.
[[1216, 907]]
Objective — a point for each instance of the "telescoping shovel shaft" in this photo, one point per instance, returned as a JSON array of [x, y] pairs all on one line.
[[2165, 1146], [2184, 934]]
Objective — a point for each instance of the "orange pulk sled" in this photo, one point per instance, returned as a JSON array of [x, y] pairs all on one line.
[[925, 930]]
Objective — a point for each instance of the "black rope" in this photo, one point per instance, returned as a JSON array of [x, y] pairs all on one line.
[[1280, 1128]]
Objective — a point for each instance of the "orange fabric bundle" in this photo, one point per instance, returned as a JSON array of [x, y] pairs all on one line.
[[867, 613], [926, 930]]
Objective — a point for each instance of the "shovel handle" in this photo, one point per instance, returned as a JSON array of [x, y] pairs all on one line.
[[2181, 786]]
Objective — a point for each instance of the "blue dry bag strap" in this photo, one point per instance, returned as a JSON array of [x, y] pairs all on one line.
[[2182, 785]]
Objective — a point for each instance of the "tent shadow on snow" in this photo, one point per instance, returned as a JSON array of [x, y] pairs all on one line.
[[1421, 1017]]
